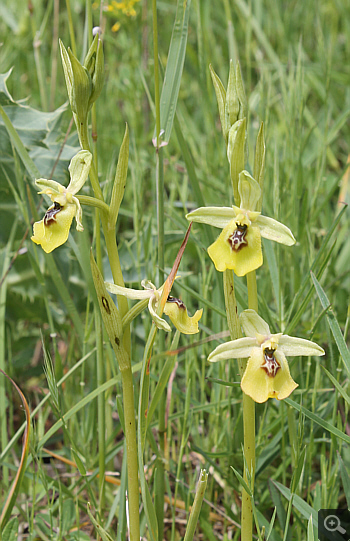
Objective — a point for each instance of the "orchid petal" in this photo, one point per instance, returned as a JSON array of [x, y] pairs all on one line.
[[235, 349], [273, 230], [79, 168], [158, 321], [292, 346], [215, 216], [134, 294], [78, 214]]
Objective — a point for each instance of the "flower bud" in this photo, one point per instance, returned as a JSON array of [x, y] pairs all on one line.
[[232, 103], [81, 88]]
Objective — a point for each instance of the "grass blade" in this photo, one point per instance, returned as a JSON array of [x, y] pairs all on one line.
[[333, 324], [11, 498], [173, 72]]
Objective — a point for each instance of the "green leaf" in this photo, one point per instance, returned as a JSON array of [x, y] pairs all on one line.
[[12, 495], [324, 424], [10, 531], [99, 530], [345, 479], [242, 482], [337, 385], [304, 508], [174, 67], [119, 181], [333, 324]]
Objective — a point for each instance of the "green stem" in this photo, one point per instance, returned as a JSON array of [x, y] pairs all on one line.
[[126, 371], [248, 403], [249, 432]]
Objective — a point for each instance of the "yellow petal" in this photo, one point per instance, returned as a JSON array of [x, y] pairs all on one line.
[[257, 384], [53, 230], [246, 259], [177, 312]]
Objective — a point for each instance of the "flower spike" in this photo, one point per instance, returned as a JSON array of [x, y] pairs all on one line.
[[53, 229], [267, 373], [238, 247]]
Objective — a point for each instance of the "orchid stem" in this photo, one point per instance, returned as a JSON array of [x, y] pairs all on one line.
[[248, 403], [126, 373], [249, 433]]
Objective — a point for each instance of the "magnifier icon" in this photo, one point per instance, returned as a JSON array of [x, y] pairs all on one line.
[[332, 524]]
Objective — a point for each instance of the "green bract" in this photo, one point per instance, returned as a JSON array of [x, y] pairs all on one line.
[[84, 82]]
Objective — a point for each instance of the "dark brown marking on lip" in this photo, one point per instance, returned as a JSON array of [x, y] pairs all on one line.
[[237, 240], [50, 215], [177, 301], [271, 365]]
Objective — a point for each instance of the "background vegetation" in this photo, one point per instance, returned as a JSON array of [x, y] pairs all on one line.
[[294, 60]]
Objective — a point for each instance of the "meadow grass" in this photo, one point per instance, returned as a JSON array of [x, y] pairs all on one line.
[[294, 62]]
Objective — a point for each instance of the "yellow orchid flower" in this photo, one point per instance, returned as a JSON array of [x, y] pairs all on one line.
[[174, 308], [53, 229], [267, 373], [238, 247]]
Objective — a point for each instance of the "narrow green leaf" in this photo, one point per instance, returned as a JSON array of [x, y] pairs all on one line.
[[223, 382], [337, 385], [119, 180], [80, 464], [310, 530], [19, 146], [12, 495], [10, 532], [304, 508], [333, 324], [317, 264], [242, 482], [345, 479], [99, 530], [271, 525], [163, 380], [324, 424], [174, 67], [280, 510]]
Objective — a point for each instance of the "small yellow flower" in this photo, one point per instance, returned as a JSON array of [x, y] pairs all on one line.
[[267, 373], [174, 308], [238, 247], [53, 230]]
